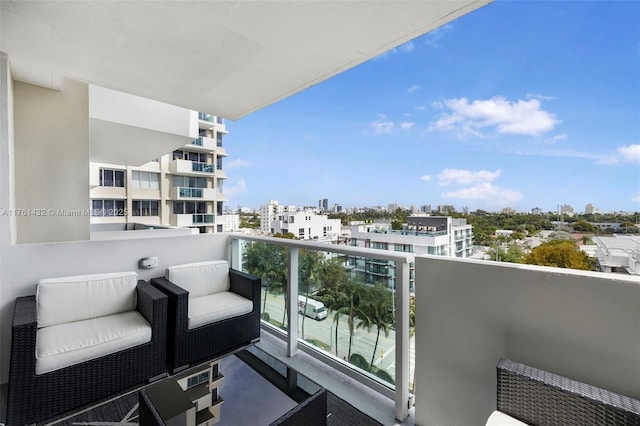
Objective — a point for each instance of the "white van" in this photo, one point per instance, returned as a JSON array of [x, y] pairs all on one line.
[[311, 308]]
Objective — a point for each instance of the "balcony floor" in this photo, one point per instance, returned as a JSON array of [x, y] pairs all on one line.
[[358, 395]]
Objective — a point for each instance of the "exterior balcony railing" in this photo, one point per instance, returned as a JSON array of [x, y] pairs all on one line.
[[202, 167], [182, 192], [186, 167], [206, 117], [198, 219], [310, 273], [190, 192], [204, 143]]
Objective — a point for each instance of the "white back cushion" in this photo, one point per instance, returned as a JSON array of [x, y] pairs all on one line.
[[67, 299], [201, 278]]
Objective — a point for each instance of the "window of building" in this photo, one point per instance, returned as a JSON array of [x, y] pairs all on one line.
[[189, 181], [198, 379], [198, 157], [111, 177], [301, 233], [145, 180], [220, 184], [219, 163], [145, 208], [219, 139], [189, 207], [108, 208], [403, 247]]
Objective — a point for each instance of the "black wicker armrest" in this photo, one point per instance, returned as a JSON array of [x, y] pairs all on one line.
[[23, 328], [542, 398], [244, 284], [152, 303]]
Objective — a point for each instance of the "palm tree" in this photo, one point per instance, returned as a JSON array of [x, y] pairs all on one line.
[[310, 262], [267, 261], [381, 315], [338, 303]]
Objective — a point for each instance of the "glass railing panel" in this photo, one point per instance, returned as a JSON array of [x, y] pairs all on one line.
[[348, 311], [269, 262], [190, 192], [205, 117], [202, 218], [197, 142], [202, 167]]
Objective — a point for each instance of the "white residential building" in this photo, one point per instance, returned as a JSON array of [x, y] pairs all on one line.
[[306, 225], [180, 189], [434, 235], [269, 213], [618, 254]]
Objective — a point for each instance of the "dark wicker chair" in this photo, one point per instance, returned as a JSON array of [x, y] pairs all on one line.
[[33, 398], [537, 397], [188, 346]]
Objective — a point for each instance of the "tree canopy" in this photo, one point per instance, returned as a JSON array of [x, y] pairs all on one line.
[[560, 254]]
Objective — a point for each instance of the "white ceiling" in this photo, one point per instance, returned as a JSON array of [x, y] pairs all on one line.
[[228, 58]]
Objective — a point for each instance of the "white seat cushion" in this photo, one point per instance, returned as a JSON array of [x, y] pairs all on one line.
[[498, 418], [217, 307], [77, 298], [200, 278], [63, 345]]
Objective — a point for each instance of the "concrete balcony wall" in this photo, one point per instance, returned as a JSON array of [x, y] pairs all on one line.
[[51, 161], [582, 325], [24, 264]]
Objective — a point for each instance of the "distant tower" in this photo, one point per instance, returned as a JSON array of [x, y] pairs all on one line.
[[323, 204]]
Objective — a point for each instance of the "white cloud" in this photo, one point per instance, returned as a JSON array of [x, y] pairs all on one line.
[[469, 118], [541, 97], [624, 154], [426, 178], [630, 154], [406, 125], [382, 126], [486, 192], [467, 177], [238, 188], [636, 198], [407, 47], [432, 39], [420, 107], [237, 163], [555, 138], [413, 88]]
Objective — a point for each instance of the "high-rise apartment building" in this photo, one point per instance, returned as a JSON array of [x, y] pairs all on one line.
[[183, 188]]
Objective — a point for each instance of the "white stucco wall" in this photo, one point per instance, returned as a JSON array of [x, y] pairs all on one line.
[[583, 325], [51, 162]]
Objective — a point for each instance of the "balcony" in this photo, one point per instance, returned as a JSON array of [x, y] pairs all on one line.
[[186, 167], [202, 144], [197, 219], [185, 193]]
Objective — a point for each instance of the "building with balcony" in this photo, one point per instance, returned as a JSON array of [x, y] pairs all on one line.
[[433, 235], [583, 325], [619, 254], [182, 189]]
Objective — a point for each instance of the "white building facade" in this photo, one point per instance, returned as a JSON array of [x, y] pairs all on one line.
[[181, 189], [433, 235]]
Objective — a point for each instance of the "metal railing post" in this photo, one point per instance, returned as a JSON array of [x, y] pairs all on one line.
[[402, 341], [292, 306], [236, 254]]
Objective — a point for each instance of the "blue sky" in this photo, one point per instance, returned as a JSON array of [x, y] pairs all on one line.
[[519, 104]]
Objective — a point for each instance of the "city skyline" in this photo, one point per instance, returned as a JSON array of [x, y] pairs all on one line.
[[519, 104]]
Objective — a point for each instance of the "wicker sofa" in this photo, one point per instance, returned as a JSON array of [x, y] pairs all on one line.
[[81, 339], [537, 397], [212, 310]]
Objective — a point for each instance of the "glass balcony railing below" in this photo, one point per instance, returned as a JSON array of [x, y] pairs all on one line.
[[197, 141], [202, 167], [206, 117], [203, 218], [190, 192]]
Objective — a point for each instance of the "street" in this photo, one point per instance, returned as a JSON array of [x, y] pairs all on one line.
[[324, 331]]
